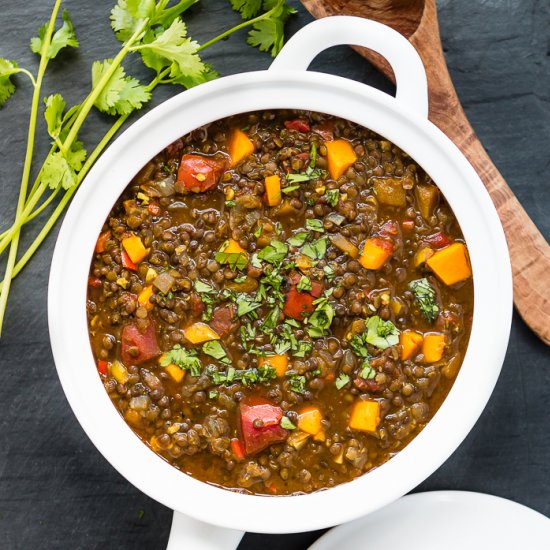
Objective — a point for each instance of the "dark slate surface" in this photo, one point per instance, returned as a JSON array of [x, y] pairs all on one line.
[[56, 490]]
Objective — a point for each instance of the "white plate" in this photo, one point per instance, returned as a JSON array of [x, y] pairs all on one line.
[[443, 520]]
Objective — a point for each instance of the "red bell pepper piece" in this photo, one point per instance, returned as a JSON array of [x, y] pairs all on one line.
[[143, 340], [103, 367], [407, 225], [126, 262], [300, 304], [268, 415], [389, 229], [298, 124], [101, 240], [237, 449], [153, 209], [437, 240], [197, 173], [94, 282]]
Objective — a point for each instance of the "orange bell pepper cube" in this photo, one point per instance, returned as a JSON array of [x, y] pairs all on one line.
[[451, 264], [273, 190], [134, 248], [240, 146], [143, 297], [340, 156], [410, 341], [433, 347], [200, 332], [375, 253], [278, 362], [309, 420], [365, 416], [233, 247]]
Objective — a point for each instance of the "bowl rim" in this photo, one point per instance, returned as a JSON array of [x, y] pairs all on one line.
[[259, 91]]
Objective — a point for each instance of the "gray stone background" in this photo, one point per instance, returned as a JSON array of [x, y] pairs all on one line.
[[56, 490]]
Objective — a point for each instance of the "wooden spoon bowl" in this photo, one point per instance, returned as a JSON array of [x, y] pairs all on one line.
[[529, 251]]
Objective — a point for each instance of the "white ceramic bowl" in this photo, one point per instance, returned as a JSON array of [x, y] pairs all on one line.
[[402, 120]]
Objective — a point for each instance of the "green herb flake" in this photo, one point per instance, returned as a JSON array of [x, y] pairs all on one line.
[[274, 253], [304, 284], [298, 239], [380, 333], [183, 358], [341, 381], [246, 304], [289, 189], [230, 204], [336, 219], [329, 272], [296, 382], [213, 394], [235, 260], [367, 372], [425, 297], [332, 196], [287, 424], [315, 225], [320, 320], [315, 250], [215, 350]]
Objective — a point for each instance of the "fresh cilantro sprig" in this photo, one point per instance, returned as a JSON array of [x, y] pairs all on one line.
[[153, 29], [310, 173], [425, 297], [183, 358]]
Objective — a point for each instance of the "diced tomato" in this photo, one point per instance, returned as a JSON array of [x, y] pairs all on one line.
[[366, 385], [197, 305], [103, 367], [384, 244], [237, 449], [94, 282], [139, 345], [101, 240], [126, 262], [389, 229], [298, 124], [300, 304], [269, 416], [153, 209], [407, 225], [437, 240], [197, 173], [223, 319]]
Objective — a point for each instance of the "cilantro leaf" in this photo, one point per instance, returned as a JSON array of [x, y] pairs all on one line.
[[341, 381], [321, 319], [215, 350], [248, 377], [274, 252], [298, 239], [7, 87], [128, 15], [122, 94], [189, 81], [62, 169], [247, 8], [183, 358], [304, 284], [380, 333], [315, 250], [287, 424], [315, 225], [329, 272], [297, 382], [172, 48], [333, 196], [55, 105], [425, 298], [246, 304], [367, 372], [62, 38], [201, 287]]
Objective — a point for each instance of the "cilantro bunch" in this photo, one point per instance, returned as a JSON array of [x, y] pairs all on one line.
[[155, 31]]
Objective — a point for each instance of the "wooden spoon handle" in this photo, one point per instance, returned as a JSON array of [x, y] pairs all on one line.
[[529, 251]]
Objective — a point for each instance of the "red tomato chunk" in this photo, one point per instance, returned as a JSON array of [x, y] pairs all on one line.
[[138, 345], [197, 173], [297, 124], [266, 416]]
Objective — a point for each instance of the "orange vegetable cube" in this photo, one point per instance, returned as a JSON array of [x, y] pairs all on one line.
[[320, 436], [410, 341], [278, 362], [433, 347], [143, 297], [135, 249], [304, 263], [175, 372], [309, 420], [240, 146], [423, 255], [340, 156], [376, 252], [232, 247], [273, 190], [451, 264], [199, 332], [365, 416]]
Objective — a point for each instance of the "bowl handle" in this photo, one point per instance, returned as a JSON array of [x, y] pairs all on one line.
[[191, 534], [308, 42]]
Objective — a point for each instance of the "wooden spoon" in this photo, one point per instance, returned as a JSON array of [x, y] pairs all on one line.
[[529, 251]]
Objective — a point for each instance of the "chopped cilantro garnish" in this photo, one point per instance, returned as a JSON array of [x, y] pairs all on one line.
[[207, 295], [201, 287], [246, 304], [315, 225], [321, 319], [287, 424], [425, 298], [367, 372], [212, 394], [336, 219], [235, 260], [329, 272], [341, 381], [298, 239], [274, 253], [215, 350], [248, 377], [258, 231], [271, 319], [240, 279], [303, 348], [380, 333], [310, 172], [289, 189], [255, 262], [315, 250], [230, 204], [332, 196], [304, 284], [297, 382], [183, 358]]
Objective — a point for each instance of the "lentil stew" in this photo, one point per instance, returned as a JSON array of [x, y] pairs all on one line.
[[279, 302]]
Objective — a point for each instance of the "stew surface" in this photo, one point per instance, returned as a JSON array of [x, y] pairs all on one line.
[[279, 302]]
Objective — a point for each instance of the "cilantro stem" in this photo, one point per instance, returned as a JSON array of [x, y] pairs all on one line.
[[28, 73], [238, 27], [12, 256]]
